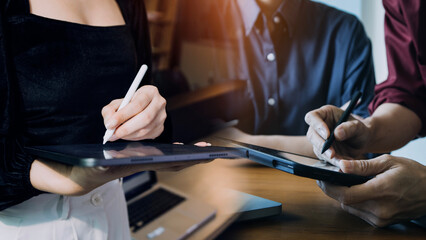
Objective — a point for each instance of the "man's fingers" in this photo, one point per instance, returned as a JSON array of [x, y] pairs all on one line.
[[315, 119], [347, 129], [327, 156], [316, 140], [370, 167], [367, 216], [318, 143], [350, 195]]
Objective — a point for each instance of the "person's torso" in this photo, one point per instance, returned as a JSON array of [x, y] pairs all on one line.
[[66, 73], [297, 68]]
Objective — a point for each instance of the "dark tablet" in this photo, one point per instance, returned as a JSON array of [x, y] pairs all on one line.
[[124, 153], [299, 165]]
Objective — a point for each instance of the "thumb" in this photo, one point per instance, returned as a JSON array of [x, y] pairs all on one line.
[[365, 167], [349, 129]]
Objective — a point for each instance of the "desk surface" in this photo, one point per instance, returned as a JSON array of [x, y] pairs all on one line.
[[307, 212]]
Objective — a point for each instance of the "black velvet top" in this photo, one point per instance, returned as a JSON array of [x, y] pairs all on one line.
[[55, 77]]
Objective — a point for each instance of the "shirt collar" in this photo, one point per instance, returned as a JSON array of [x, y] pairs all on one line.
[[250, 12]]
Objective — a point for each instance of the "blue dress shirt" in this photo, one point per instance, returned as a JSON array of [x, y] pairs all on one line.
[[314, 55]]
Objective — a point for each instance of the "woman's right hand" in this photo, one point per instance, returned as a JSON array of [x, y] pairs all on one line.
[[351, 137]]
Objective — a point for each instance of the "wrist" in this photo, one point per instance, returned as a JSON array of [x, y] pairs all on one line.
[[371, 131], [57, 178]]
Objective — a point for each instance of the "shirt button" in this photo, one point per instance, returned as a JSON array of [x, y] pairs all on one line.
[[277, 19], [271, 102], [96, 199], [270, 57]]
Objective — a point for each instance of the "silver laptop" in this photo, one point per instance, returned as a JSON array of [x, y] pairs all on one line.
[[160, 212]]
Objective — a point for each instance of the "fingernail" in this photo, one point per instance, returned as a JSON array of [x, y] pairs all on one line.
[[111, 124], [308, 118], [322, 133]]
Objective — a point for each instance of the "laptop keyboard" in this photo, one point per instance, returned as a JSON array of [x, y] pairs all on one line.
[[150, 207]]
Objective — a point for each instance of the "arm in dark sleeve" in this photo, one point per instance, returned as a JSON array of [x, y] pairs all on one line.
[[15, 165], [405, 24], [359, 73]]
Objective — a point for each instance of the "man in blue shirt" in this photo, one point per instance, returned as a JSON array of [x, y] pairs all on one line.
[[297, 55]]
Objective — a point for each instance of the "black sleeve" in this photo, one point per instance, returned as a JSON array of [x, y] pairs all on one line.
[[15, 165]]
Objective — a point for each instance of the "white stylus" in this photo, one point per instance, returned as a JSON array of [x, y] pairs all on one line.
[[128, 97]]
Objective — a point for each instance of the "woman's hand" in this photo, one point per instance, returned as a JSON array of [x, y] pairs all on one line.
[[142, 118], [396, 193]]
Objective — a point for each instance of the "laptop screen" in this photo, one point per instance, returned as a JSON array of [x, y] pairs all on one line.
[[137, 183]]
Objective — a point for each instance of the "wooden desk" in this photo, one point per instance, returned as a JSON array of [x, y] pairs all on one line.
[[307, 212]]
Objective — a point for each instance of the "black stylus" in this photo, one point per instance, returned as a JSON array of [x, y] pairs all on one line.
[[342, 119]]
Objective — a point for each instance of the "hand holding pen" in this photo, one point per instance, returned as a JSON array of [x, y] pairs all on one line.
[[348, 134], [140, 115], [342, 119]]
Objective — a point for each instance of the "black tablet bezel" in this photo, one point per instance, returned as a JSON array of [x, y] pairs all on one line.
[[272, 158], [55, 154]]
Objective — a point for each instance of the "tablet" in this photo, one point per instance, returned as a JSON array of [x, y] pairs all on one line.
[[125, 153], [299, 165]]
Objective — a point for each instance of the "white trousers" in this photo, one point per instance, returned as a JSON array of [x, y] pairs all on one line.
[[100, 214]]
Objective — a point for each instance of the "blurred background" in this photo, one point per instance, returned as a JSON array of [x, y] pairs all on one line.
[[196, 69]]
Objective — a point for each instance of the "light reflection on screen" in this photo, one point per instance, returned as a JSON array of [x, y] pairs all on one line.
[[309, 161]]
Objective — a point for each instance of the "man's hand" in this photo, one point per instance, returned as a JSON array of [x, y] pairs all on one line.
[[396, 193], [352, 136], [142, 118]]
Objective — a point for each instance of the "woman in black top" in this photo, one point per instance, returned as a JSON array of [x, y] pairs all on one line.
[[61, 62]]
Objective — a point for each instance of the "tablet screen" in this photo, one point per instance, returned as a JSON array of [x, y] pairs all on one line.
[[308, 161]]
